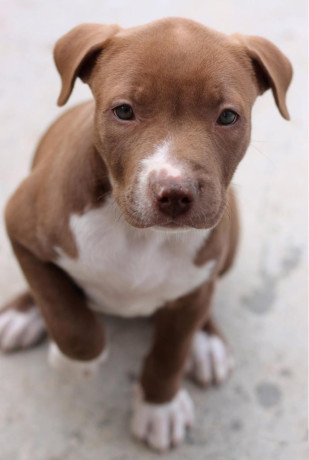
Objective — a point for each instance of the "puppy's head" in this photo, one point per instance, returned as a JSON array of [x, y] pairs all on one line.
[[172, 120]]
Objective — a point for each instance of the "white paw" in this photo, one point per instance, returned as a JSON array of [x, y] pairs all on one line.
[[20, 329], [162, 425], [210, 361], [72, 369]]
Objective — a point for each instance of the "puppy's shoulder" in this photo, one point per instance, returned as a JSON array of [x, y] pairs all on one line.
[[68, 176]]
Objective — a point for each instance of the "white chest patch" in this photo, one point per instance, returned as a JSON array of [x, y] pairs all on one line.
[[132, 272]]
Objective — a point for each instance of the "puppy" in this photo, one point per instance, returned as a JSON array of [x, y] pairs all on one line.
[[128, 207]]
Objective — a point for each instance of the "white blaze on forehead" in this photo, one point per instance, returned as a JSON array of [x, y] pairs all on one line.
[[160, 160]]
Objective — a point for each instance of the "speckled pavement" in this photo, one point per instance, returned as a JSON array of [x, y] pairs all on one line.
[[261, 412]]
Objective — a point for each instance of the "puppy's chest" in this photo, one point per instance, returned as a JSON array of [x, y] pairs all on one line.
[[132, 272]]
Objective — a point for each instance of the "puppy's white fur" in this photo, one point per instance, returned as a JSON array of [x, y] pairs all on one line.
[[162, 425], [73, 369], [210, 360], [132, 272], [159, 161], [20, 329]]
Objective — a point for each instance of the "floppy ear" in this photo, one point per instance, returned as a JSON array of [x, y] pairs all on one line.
[[272, 69], [75, 54]]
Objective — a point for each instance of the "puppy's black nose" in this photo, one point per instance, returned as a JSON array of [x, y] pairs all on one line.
[[173, 197]]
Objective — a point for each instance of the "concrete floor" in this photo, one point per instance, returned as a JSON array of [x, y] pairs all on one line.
[[262, 304]]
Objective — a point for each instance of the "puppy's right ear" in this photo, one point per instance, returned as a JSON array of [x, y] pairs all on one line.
[[75, 54]]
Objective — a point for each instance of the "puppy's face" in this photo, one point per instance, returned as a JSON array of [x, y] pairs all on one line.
[[172, 120]]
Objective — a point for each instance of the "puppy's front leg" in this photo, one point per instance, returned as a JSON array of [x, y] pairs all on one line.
[[162, 410], [77, 334]]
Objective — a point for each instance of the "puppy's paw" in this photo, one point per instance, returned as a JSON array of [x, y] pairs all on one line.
[[162, 425], [19, 330], [71, 369], [210, 361]]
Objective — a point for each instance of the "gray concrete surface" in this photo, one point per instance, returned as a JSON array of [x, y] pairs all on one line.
[[262, 304]]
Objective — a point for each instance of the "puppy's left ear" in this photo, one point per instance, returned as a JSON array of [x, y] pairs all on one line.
[[75, 53], [272, 69]]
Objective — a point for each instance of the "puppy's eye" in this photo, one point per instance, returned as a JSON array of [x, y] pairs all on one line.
[[124, 112], [227, 117]]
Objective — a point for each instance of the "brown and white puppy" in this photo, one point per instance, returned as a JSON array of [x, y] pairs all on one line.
[[128, 209]]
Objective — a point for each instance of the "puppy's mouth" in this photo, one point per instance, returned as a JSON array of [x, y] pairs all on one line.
[[203, 214], [172, 226], [177, 224]]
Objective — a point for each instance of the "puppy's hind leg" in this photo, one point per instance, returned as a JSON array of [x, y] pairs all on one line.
[[210, 360], [21, 324]]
